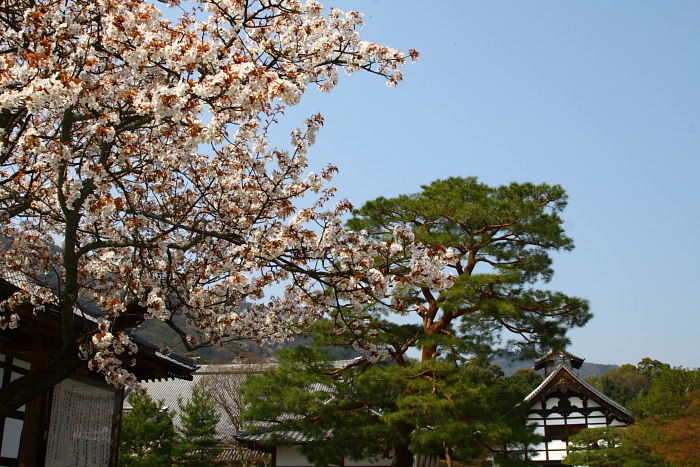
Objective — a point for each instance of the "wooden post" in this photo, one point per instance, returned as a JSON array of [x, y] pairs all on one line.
[[31, 444], [116, 428]]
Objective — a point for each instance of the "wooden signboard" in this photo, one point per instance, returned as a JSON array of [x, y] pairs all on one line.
[[80, 430]]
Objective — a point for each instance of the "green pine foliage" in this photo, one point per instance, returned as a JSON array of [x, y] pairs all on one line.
[[147, 434], [503, 238], [196, 438], [669, 395], [599, 446], [305, 396]]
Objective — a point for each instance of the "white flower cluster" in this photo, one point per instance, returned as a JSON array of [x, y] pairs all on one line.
[[9, 322], [103, 355]]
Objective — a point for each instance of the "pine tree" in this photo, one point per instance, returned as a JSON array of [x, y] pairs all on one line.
[[147, 434], [197, 437], [500, 240]]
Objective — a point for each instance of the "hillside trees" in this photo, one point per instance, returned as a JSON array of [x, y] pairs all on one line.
[[667, 426], [623, 385], [496, 244], [140, 145]]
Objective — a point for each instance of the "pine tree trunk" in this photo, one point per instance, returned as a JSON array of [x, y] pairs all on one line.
[[448, 456], [403, 457]]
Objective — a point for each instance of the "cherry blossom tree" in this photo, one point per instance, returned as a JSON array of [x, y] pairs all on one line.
[[140, 145]]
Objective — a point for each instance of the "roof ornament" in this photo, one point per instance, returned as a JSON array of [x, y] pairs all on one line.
[[557, 359], [564, 360]]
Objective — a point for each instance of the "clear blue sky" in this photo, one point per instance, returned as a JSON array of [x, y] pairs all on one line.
[[601, 97]]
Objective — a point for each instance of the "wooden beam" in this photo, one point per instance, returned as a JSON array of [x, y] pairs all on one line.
[[30, 448]]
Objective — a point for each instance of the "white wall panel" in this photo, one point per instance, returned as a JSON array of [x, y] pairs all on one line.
[[576, 401], [12, 431]]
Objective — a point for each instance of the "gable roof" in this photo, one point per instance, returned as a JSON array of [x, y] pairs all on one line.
[[563, 376]]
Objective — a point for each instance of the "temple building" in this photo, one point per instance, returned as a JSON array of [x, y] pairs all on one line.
[[564, 404]]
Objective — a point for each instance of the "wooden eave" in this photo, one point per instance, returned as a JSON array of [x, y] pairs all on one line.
[[150, 363]]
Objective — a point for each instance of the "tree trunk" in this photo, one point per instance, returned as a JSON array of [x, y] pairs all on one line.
[[403, 456], [448, 456]]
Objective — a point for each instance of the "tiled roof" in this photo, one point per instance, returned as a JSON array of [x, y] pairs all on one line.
[[569, 354], [243, 455], [294, 437], [170, 390], [178, 366], [19, 280]]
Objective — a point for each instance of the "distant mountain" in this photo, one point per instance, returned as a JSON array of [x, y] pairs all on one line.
[[586, 371], [158, 333]]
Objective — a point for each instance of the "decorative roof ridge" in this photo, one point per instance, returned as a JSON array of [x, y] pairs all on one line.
[[559, 351], [542, 385]]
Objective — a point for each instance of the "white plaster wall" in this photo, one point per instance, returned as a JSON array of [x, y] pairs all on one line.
[[557, 448], [557, 444], [557, 455], [576, 401], [12, 431], [596, 418], [552, 402], [289, 456]]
